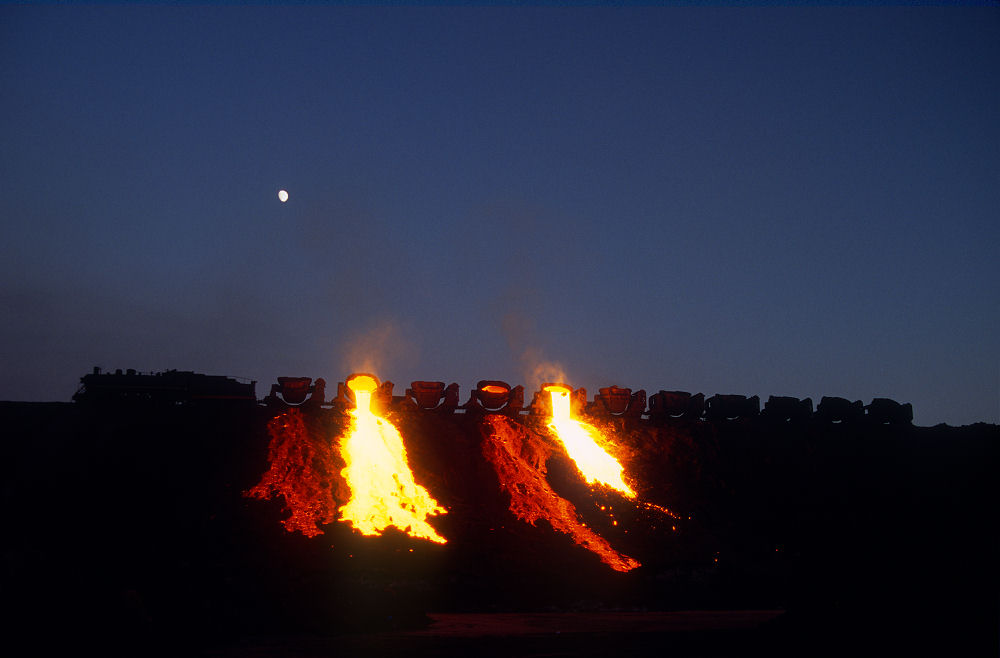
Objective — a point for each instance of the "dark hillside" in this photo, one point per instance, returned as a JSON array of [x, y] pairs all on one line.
[[129, 527]]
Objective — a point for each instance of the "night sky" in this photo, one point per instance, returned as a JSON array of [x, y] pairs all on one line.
[[768, 201]]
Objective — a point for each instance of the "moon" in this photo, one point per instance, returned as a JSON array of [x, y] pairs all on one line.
[[282, 196]]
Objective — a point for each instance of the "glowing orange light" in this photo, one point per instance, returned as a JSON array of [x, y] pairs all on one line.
[[519, 458], [383, 492], [493, 388], [302, 470], [582, 442]]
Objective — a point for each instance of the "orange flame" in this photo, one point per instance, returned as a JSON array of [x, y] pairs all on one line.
[[519, 459], [383, 492], [583, 443]]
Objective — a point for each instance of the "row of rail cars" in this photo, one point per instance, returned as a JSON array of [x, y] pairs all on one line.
[[174, 387]]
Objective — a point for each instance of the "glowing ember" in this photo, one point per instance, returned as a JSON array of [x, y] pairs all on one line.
[[303, 471], [383, 492], [493, 388], [583, 443], [519, 459]]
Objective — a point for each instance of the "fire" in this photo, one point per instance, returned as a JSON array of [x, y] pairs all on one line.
[[583, 443], [383, 492], [519, 459]]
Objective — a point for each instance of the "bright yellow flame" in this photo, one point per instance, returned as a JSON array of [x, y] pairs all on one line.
[[580, 440], [383, 492]]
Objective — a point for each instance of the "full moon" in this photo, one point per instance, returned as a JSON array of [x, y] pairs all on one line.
[[282, 196]]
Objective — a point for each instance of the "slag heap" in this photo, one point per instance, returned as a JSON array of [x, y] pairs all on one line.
[[383, 492], [519, 457], [363, 477], [305, 471]]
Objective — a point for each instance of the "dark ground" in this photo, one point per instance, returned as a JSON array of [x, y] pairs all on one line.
[[128, 532]]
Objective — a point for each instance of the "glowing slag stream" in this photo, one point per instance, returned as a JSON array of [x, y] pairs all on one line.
[[580, 440], [383, 492]]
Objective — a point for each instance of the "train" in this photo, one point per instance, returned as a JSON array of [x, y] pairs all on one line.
[[171, 387], [174, 387]]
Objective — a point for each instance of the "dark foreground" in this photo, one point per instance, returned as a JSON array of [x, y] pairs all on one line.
[[704, 633], [128, 532]]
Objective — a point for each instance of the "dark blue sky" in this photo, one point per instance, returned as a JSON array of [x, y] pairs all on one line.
[[769, 201]]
